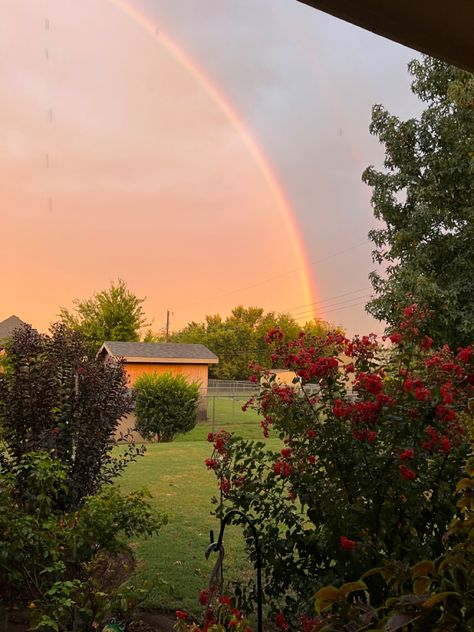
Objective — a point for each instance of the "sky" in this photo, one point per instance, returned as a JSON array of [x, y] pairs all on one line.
[[208, 152]]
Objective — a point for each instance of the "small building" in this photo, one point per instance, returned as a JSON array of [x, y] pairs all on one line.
[[190, 360], [7, 327]]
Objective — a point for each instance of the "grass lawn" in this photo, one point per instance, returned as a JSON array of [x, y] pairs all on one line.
[[227, 413], [173, 563]]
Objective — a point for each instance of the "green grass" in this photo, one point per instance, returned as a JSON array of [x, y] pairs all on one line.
[[227, 413], [172, 563]]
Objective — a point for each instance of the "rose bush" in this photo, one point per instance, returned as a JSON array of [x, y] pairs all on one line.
[[367, 465]]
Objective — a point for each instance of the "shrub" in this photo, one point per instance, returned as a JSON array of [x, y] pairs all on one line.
[[360, 480], [54, 398], [50, 558], [429, 595], [166, 405]]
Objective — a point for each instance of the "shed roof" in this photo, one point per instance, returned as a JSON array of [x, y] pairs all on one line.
[[159, 352], [8, 326]]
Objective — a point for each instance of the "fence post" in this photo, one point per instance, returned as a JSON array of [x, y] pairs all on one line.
[[233, 407], [214, 413]]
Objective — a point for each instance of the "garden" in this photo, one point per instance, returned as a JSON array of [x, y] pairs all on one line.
[[349, 507], [362, 505]]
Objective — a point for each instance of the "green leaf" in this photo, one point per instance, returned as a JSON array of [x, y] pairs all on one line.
[[325, 598]]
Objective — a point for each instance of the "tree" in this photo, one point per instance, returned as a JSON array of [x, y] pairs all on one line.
[[239, 339], [54, 398], [113, 314], [166, 405], [425, 197]]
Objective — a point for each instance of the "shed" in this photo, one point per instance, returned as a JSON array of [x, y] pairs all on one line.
[[190, 360]]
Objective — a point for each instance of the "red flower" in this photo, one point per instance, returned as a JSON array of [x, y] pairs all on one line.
[[181, 614], [286, 453], [274, 335], [225, 600], [212, 464], [372, 383], [311, 458], [341, 409], [348, 545], [421, 393], [281, 622], [464, 355], [445, 444], [395, 338], [410, 310], [406, 454], [224, 486], [311, 433], [426, 343], [446, 391], [407, 474], [283, 468], [364, 435], [447, 414], [203, 597]]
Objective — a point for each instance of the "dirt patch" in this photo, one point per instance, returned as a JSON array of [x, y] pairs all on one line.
[[142, 622], [152, 622]]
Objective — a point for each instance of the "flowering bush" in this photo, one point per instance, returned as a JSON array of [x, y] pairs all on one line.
[[219, 617], [429, 595], [368, 463]]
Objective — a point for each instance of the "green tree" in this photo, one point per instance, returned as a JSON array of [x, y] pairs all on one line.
[[113, 314], [166, 405], [425, 199], [239, 339]]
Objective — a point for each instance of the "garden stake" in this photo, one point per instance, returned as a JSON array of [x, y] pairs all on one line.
[[217, 547]]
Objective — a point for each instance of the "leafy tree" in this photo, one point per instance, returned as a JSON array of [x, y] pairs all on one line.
[[113, 314], [166, 405], [425, 199], [54, 398], [239, 339]]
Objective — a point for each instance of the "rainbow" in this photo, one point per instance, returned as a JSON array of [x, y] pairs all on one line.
[[198, 74]]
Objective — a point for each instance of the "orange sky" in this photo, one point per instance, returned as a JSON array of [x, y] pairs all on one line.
[[115, 162]]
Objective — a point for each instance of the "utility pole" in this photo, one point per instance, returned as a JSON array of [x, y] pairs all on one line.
[[167, 328]]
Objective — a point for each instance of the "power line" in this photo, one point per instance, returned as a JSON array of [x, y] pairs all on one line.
[[274, 278], [326, 300], [336, 309], [330, 306]]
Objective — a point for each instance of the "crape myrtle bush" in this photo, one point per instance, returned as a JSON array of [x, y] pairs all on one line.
[[166, 405], [362, 478], [54, 397], [436, 595]]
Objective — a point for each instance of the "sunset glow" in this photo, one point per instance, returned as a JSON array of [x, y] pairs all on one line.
[[123, 160]]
